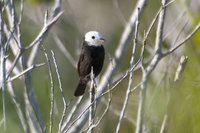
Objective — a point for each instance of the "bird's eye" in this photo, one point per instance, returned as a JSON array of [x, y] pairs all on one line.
[[93, 37]]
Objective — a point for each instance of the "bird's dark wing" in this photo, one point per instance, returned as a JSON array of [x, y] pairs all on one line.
[[84, 63]]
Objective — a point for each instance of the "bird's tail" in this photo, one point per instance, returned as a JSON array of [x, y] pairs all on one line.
[[80, 89]]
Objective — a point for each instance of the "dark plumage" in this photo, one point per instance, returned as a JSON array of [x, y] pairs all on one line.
[[92, 55]]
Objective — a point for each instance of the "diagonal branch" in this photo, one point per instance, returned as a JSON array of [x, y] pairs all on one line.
[[3, 65], [148, 70], [25, 71], [131, 76], [40, 38], [196, 29]]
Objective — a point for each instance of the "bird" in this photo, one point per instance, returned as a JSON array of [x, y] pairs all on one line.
[[92, 56]]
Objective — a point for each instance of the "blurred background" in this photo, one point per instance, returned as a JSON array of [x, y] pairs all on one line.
[[110, 18]]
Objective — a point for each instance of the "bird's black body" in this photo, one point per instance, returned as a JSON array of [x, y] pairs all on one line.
[[91, 56]]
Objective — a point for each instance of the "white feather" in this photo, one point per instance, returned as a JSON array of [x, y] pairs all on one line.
[[94, 38]]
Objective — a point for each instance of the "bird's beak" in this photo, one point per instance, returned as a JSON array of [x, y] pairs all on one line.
[[102, 40]]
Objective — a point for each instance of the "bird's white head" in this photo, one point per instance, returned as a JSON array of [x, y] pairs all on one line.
[[94, 38]]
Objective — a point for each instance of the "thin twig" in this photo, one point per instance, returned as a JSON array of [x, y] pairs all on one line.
[[171, 28], [16, 45], [71, 113], [40, 38], [121, 79], [31, 102], [61, 91], [160, 28], [18, 107], [25, 71], [132, 62], [14, 63], [177, 77], [34, 118], [196, 29], [180, 68], [74, 121], [155, 19], [51, 113], [134, 88], [123, 44], [21, 11], [147, 71], [102, 116], [3, 67], [57, 8], [181, 31], [162, 129]]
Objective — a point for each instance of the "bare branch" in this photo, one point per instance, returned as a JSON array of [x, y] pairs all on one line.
[[71, 113], [40, 38], [155, 19], [51, 114], [3, 65], [180, 68], [61, 91], [19, 107], [18, 56], [162, 129], [57, 8], [196, 29], [147, 71], [160, 27], [31, 102], [132, 63], [102, 116], [21, 12], [124, 42], [25, 71], [176, 39], [178, 74]]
